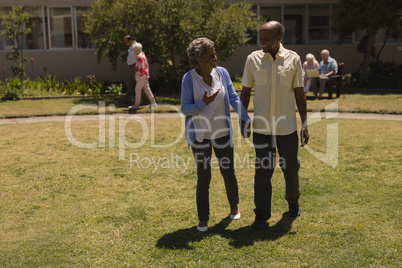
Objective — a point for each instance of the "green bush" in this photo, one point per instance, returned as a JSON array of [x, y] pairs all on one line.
[[350, 80], [385, 74], [114, 89], [11, 90], [14, 89], [380, 75]]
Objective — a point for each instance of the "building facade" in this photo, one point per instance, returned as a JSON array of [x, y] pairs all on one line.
[[58, 41]]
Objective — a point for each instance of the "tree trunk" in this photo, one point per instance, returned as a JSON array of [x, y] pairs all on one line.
[[366, 59], [383, 44]]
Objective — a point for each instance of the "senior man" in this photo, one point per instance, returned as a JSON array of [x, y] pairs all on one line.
[[278, 78], [328, 68], [131, 61]]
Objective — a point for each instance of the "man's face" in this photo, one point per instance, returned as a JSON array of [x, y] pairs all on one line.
[[269, 40], [128, 42], [324, 57]]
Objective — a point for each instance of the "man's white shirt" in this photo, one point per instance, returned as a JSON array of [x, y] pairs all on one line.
[[132, 57]]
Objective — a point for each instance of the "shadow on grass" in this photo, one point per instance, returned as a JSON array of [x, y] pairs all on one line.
[[360, 91], [373, 91], [325, 97], [242, 237]]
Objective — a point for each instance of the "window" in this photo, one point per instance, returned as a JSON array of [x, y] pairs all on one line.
[[4, 43], [83, 39], [60, 27], [252, 33], [318, 25], [35, 39], [295, 25], [52, 28], [270, 13]]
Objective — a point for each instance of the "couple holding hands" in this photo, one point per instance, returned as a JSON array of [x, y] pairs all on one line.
[[206, 96]]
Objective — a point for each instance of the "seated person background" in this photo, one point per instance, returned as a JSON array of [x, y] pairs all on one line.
[[328, 67], [310, 64]]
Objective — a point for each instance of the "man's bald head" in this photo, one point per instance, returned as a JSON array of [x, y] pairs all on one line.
[[325, 55], [271, 34], [128, 40], [325, 51], [274, 26]]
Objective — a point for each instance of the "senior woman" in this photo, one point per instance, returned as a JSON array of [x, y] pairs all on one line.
[[310, 64], [141, 77], [206, 93]]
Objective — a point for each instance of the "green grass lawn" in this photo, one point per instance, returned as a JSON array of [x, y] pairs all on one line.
[[370, 101], [63, 206], [61, 106]]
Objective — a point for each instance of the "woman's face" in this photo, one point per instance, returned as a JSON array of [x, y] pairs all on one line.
[[209, 59], [310, 61]]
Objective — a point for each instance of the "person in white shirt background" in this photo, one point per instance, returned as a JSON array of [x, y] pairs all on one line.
[[131, 61]]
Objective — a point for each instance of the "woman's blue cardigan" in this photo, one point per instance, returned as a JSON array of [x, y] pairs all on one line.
[[189, 108]]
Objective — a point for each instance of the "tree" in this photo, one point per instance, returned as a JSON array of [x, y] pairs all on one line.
[[15, 29], [166, 27], [369, 15]]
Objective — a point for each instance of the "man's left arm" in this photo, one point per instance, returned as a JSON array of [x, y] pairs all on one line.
[[301, 104], [333, 68]]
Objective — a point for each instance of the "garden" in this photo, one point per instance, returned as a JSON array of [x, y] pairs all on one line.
[[119, 191]]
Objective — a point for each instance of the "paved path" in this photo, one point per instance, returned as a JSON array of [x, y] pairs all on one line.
[[43, 119]]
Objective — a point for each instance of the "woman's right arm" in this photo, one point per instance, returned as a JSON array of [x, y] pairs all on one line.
[[188, 106]]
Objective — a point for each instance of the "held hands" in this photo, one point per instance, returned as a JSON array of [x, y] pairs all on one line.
[[304, 136], [245, 129], [209, 98]]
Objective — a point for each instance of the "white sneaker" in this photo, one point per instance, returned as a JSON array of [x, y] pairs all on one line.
[[203, 228], [133, 107], [235, 216]]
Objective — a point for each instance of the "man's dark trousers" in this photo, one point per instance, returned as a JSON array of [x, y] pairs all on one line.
[[265, 149], [130, 85]]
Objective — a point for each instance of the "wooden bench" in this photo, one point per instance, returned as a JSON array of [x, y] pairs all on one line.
[[335, 83]]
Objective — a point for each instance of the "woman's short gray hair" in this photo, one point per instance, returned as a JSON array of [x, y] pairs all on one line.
[[137, 46], [197, 48]]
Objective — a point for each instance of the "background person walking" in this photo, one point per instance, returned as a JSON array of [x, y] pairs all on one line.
[[141, 76], [131, 61]]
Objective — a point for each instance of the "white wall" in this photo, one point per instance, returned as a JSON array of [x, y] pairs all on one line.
[[67, 64], [342, 53]]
